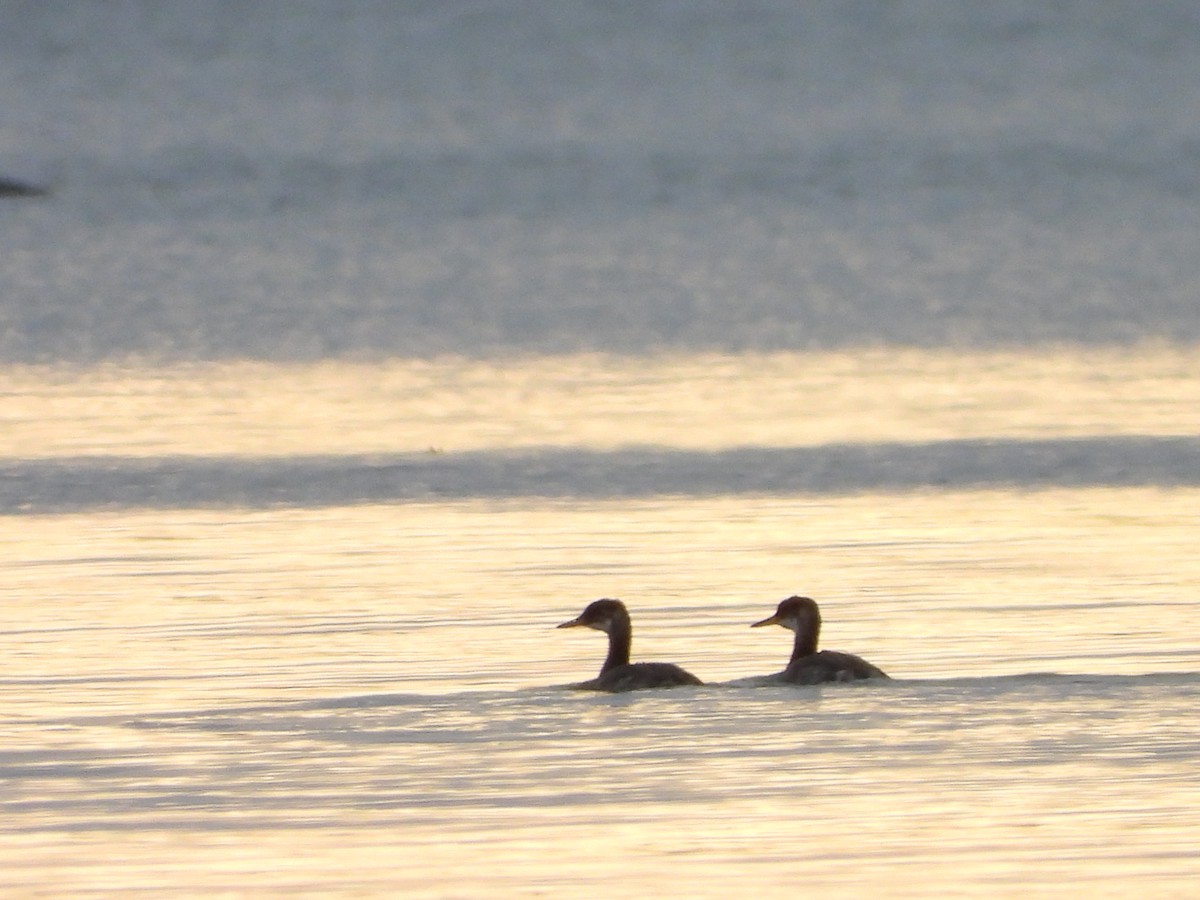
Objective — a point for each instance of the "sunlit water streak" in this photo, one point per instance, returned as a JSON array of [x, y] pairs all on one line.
[[278, 698], [694, 402]]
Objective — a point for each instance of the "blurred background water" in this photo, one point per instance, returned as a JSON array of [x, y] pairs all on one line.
[[354, 346], [292, 180]]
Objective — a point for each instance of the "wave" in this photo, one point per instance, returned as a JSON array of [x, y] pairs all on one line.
[[178, 482]]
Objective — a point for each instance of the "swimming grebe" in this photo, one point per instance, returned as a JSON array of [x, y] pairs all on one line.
[[808, 665], [618, 673]]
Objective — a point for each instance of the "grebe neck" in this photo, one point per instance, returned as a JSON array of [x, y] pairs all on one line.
[[620, 636], [806, 639]]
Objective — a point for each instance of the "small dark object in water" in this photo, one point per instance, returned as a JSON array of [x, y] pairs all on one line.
[[10, 187]]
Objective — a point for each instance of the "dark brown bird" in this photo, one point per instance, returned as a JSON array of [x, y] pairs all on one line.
[[618, 673], [809, 665]]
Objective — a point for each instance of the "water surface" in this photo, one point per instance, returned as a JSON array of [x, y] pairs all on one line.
[[218, 678]]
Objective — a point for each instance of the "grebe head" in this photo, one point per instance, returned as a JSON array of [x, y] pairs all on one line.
[[796, 614], [601, 615]]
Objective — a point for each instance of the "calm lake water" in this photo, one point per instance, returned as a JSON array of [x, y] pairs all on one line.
[[351, 347], [284, 630]]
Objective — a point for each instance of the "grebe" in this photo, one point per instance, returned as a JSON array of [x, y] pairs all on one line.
[[809, 665], [618, 673]]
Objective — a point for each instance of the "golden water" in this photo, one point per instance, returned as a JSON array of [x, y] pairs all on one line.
[[284, 699]]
